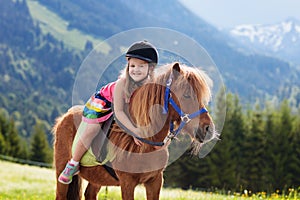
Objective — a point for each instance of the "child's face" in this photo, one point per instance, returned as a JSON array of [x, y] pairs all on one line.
[[138, 69]]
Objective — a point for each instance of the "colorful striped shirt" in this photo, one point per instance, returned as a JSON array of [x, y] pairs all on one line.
[[98, 108]]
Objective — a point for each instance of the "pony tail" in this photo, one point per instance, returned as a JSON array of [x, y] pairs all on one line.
[[75, 190]]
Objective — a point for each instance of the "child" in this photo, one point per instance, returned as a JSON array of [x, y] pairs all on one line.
[[142, 57]]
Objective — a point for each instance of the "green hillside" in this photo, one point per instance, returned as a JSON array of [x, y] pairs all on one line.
[[53, 24], [35, 69]]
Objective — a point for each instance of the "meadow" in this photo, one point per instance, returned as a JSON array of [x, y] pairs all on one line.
[[35, 183]]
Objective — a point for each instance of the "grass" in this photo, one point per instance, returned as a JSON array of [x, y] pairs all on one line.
[[58, 27], [26, 182], [35, 183]]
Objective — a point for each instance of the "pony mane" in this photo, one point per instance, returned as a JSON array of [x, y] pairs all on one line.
[[146, 109], [199, 81]]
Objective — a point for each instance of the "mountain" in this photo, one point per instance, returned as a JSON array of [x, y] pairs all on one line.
[[250, 75], [280, 40]]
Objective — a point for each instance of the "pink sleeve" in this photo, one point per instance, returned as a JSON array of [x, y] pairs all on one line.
[[107, 91]]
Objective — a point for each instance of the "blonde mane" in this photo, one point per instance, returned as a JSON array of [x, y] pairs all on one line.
[[198, 80]]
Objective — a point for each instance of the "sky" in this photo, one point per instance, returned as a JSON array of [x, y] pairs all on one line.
[[230, 13]]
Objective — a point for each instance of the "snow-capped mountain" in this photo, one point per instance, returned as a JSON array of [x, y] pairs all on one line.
[[281, 40]]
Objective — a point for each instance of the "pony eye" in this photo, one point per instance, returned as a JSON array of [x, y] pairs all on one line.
[[187, 96]]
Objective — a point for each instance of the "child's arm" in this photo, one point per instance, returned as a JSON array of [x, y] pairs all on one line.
[[119, 104]]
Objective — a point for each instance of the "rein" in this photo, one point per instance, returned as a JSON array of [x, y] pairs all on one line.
[[139, 138]]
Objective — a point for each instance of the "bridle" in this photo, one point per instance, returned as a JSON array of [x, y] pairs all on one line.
[[185, 118]]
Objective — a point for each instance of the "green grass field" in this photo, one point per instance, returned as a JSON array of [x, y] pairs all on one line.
[[35, 183]]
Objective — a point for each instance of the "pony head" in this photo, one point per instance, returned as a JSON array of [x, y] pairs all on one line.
[[189, 89]]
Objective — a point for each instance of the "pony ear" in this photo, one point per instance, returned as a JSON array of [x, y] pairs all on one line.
[[176, 69]]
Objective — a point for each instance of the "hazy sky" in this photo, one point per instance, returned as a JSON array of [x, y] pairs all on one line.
[[228, 13]]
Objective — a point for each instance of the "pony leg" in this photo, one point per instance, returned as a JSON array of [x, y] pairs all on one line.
[[91, 192], [61, 191], [70, 191], [128, 184], [74, 191], [127, 190], [153, 187]]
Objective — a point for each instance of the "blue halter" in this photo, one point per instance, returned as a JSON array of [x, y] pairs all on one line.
[[185, 118]]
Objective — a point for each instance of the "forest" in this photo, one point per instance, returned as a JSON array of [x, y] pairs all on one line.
[[258, 151]]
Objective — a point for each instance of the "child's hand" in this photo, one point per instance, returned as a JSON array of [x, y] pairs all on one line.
[[137, 141]]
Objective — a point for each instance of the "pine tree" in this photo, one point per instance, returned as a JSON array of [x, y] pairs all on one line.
[[14, 140], [24, 147], [286, 131], [279, 148], [3, 133], [222, 159], [2, 143], [238, 128], [254, 151], [203, 176], [172, 174], [270, 129], [40, 150], [294, 164]]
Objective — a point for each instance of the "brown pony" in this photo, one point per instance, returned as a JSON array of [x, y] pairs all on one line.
[[152, 109]]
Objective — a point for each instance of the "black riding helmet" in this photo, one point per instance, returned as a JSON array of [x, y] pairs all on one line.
[[143, 50]]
